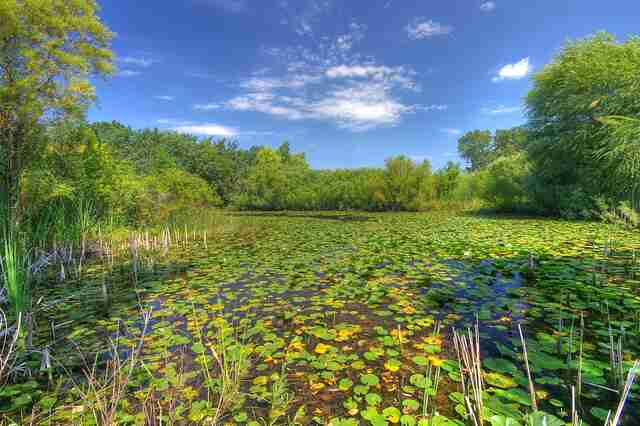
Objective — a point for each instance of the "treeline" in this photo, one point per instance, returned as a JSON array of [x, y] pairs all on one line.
[[114, 173], [577, 156]]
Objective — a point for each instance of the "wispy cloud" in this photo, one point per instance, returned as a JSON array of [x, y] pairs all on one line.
[[452, 132], [514, 71], [127, 73], [207, 130], [400, 75], [303, 15], [432, 107], [420, 28], [501, 109], [164, 98], [488, 6], [330, 81], [144, 62], [207, 107], [361, 107]]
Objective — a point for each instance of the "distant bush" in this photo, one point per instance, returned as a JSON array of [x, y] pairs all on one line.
[[504, 183]]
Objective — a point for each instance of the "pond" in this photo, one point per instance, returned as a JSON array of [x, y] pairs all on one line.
[[346, 319]]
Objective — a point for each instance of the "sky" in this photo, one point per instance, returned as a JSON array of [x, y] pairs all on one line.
[[348, 82]]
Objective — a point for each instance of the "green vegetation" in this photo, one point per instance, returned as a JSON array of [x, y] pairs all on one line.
[[289, 317], [151, 277]]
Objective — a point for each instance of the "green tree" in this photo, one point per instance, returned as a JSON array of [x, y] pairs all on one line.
[[48, 50], [401, 182], [504, 182], [265, 186], [477, 148], [509, 142], [447, 179], [573, 147]]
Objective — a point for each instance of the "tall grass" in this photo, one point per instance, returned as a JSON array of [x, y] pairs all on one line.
[[105, 390], [14, 266], [8, 342]]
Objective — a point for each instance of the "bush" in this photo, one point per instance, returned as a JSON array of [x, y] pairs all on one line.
[[171, 191], [504, 183]]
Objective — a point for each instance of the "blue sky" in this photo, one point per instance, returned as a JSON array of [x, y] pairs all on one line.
[[349, 82]]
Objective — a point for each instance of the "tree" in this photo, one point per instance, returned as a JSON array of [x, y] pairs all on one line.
[[401, 183], [477, 148], [588, 81], [447, 179], [265, 186], [509, 142], [48, 49]]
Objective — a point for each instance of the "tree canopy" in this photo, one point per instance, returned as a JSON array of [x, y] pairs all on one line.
[[568, 109], [48, 51]]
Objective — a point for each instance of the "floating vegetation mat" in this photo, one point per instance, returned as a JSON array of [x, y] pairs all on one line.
[[348, 319]]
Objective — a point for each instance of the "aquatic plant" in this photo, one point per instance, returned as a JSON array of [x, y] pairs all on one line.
[[14, 265], [106, 386], [468, 351], [9, 335]]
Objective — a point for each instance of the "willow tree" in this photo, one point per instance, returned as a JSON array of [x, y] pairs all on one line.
[[574, 109], [49, 50]]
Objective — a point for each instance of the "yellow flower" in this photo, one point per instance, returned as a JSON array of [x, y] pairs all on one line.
[[315, 387], [409, 310], [433, 340], [435, 361], [321, 348], [296, 345], [392, 366], [344, 333]]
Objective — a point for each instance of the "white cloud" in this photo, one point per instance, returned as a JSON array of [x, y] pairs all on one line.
[[432, 107], [127, 73], [452, 132], [354, 71], [266, 103], [361, 107], [303, 15], [501, 109], [207, 107], [488, 6], [329, 81], [207, 130], [420, 29], [398, 75], [267, 84], [164, 98], [144, 62], [356, 106], [356, 33], [514, 71]]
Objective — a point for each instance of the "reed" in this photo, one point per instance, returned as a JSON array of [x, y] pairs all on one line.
[[631, 377], [9, 336], [14, 266], [467, 348], [104, 390], [532, 391]]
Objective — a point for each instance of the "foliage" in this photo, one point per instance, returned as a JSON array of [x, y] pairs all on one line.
[[505, 182], [574, 144], [14, 268], [48, 50], [476, 148]]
